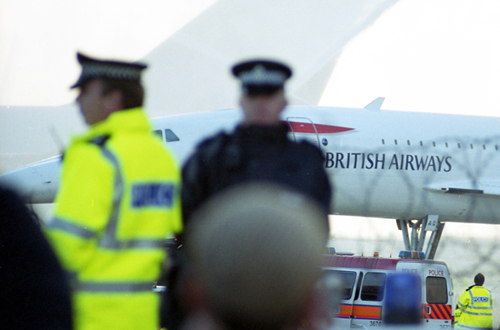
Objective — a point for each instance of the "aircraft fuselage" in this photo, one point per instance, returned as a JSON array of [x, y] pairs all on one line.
[[386, 164]]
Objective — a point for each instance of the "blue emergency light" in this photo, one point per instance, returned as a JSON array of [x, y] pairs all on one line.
[[402, 299], [412, 255]]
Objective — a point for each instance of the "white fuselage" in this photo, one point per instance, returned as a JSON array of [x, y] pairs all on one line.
[[387, 164]]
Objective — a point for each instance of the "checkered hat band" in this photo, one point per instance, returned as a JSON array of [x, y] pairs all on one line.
[[262, 77], [111, 71]]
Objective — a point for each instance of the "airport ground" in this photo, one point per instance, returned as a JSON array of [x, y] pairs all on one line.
[[464, 251], [465, 257]]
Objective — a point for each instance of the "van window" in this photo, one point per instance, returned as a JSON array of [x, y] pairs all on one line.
[[347, 278], [373, 287], [436, 290]]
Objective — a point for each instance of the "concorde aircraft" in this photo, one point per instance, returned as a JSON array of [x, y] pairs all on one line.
[[422, 169], [189, 71]]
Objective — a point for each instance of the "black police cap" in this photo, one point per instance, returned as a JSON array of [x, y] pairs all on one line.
[[262, 75], [93, 68]]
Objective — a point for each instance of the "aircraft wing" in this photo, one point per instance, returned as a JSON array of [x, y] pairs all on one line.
[[482, 187]]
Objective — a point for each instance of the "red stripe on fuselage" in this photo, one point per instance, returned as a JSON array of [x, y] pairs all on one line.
[[299, 127]]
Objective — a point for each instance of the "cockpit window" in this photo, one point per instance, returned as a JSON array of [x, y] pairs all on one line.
[[158, 132], [170, 135]]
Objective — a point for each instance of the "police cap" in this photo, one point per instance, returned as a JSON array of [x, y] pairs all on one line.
[[93, 68], [261, 76]]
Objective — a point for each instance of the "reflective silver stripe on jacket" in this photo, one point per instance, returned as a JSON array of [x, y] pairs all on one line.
[[108, 240], [113, 287], [70, 227], [474, 313], [461, 326]]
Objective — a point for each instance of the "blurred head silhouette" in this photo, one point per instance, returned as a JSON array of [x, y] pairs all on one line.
[[254, 255], [479, 279]]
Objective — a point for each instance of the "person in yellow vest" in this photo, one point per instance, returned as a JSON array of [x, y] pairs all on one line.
[[475, 307], [119, 198]]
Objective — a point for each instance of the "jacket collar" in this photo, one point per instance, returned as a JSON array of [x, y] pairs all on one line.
[[124, 120]]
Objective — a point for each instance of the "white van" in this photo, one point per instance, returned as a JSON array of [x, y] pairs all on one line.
[[363, 283]]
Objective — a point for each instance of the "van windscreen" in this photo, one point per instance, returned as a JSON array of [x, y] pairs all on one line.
[[347, 279], [373, 286]]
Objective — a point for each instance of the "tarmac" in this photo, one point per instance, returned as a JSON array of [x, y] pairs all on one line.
[[465, 255]]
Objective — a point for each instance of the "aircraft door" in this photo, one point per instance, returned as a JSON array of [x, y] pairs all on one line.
[[303, 128]]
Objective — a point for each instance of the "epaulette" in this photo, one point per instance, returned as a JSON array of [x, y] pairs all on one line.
[[100, 140]]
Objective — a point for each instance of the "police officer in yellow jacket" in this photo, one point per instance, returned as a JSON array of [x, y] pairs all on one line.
[[475, 307], [118, 200]]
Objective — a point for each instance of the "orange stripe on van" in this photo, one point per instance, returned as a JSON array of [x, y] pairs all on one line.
[[344, 311], [367, 312]]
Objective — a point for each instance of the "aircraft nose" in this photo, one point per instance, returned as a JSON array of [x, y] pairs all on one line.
[[35, 183]]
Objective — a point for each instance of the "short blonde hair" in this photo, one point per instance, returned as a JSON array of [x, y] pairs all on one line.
[[257, 248]]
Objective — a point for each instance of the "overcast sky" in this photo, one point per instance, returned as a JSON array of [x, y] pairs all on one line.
[[39, 40], [422, 55], [425, 55]]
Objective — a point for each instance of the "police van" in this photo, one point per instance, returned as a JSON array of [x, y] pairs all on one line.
[[363, 282]]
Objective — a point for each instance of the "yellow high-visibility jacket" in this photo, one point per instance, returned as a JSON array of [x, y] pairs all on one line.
[[476, 305], [119, 198]]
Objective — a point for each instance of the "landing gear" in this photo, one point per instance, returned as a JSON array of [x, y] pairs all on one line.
[[418, 233]]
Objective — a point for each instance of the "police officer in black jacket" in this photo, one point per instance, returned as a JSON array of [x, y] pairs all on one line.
[[259, 148]]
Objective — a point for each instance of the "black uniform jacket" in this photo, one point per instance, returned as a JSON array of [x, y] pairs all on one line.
[[253, 153]]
